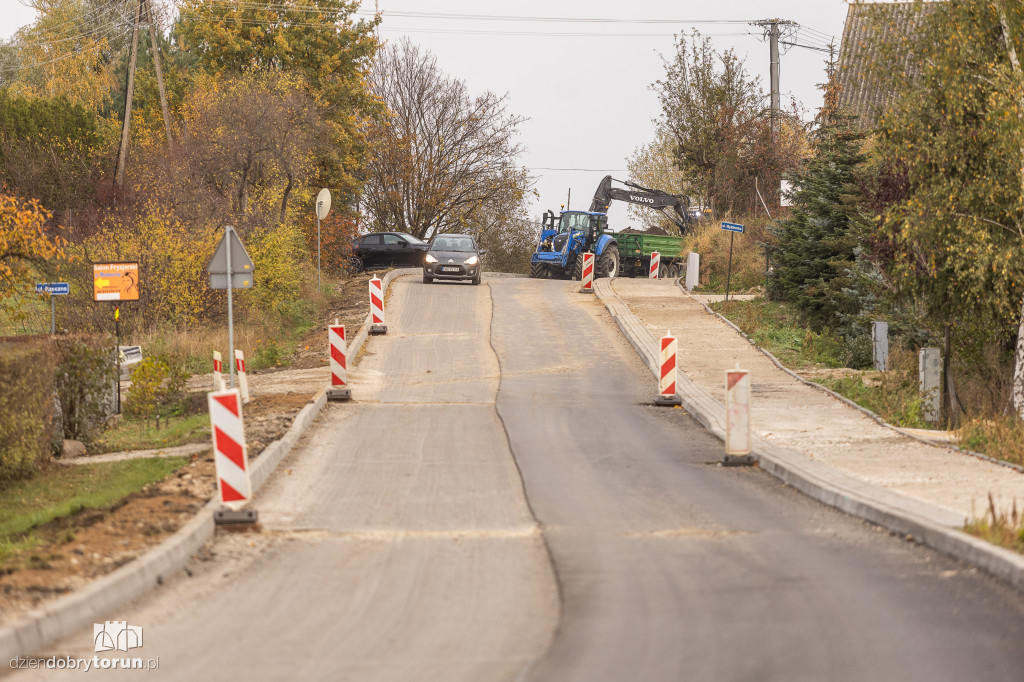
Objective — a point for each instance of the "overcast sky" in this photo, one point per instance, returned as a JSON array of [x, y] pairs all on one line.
[[585, 85]]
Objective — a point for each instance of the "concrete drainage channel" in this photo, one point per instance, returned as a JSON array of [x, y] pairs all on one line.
[[929, 525], [42, 627]]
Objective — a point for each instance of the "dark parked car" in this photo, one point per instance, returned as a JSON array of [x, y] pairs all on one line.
[[382, 249], [452, 256]]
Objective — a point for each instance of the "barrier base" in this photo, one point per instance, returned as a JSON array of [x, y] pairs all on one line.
[[586, 291], [667, 400], [378, 329], [339, 394], [232, 517], [738, 461]]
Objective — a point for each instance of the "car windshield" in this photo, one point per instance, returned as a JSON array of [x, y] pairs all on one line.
[[412, 240], [573, 221], [453, 244]]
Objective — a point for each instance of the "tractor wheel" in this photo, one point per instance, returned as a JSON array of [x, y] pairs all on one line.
[[538, 271], [608, 263], [577, 269]]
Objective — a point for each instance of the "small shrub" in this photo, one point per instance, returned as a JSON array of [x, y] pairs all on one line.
[[268, 354], [158, 383]]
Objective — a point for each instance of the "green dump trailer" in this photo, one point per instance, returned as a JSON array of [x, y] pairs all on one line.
[[635, 249]]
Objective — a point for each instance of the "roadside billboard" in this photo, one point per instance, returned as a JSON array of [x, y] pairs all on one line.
[[115, 281]]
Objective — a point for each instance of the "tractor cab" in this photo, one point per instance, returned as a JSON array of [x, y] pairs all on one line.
[[573, 225]]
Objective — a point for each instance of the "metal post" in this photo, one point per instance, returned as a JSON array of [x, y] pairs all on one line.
[[117, 353], [728, 277], [53, 316], [318, 204], [231, 320]]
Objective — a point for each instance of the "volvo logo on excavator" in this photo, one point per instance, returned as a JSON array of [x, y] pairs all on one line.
[[641, 200]]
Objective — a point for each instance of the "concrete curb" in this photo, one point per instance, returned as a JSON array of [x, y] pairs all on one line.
[[842, 398], [62, 617], [919, 521]]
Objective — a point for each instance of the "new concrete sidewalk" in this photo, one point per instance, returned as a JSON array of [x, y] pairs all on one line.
[[816, 442]]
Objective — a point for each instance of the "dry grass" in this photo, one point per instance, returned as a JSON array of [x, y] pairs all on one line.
[[1000, 437], [748, 260], [1005, 529]]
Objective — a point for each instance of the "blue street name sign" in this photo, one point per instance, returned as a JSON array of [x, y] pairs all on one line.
[[732, 227], [53, 288]]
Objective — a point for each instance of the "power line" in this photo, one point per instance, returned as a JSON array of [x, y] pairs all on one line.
[[582, 170]]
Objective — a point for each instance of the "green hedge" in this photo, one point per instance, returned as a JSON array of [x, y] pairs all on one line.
[[54, 387], [26, 406], [85, 384]]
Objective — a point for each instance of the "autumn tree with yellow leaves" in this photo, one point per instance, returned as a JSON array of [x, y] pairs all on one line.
[[954, 141], [24, 244]]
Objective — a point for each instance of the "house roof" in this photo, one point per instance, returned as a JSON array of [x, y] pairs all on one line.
[[872, 33]]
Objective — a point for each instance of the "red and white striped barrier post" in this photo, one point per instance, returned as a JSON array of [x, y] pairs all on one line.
[[230, 455], [218, 377], [243, 383], [655, 265], [737, 418], [667, 372], [588, 274], [377, 324], [339, 389]]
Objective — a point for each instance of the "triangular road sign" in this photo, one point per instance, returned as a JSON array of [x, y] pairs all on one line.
[[240, 261]]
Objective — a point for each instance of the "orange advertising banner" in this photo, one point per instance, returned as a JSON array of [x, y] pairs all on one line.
[[115, 281]]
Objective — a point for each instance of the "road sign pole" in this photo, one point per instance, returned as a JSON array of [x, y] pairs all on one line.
[[318, 245], [117, 354], [53, 316], [728, 277], [231, 320]]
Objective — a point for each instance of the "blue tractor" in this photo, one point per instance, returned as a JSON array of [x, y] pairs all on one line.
[[563, 243]]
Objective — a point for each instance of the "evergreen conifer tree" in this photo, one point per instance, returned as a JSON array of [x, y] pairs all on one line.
[[815, 247]]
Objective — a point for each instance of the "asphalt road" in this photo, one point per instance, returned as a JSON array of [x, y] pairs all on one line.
[[502, 503]]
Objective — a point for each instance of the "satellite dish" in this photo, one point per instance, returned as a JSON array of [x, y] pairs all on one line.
[[323, 203]]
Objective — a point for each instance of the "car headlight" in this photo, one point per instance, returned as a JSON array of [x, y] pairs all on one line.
[[472, 260], [431, 259]]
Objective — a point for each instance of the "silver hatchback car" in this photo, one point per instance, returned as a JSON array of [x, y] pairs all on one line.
[[452, 256]]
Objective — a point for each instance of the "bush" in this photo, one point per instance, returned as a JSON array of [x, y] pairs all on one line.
[[157, 383], [26, 406], [85, 384]]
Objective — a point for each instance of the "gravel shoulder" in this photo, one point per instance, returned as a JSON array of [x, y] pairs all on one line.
[[791, 414]]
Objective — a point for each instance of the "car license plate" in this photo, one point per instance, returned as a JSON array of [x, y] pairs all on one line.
[[449, 269]]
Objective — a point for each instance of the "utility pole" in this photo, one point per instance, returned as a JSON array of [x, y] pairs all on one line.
[[159, 71], [773, 43], [772, 32], [122, 152]]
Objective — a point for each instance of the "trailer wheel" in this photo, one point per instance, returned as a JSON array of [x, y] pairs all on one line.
[[608, 263]]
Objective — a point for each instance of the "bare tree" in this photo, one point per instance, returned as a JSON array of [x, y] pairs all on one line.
[[252, 133], [440, 157]]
